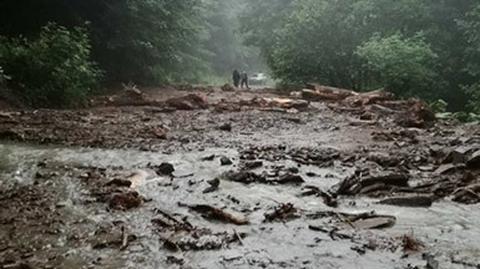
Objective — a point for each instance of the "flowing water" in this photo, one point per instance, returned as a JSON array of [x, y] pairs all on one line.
[[449, 231]]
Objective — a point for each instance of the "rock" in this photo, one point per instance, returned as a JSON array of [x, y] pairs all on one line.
[[10, 135], [175, 260], [160, 133], [243, 177], [383, 159], [431, 262], [137, 178], [164, 169], [460, 154], [294, 170], [409, 201], [214, 184], [252, 165], [447, 169], [375, 222], [225, 161], [400, 180], [17, 266], [125, 201], [209, 158], [294, 120], [290, 179], [474, 161], [467, 195], [354, 185], [418, 115], [225, 127], [119, 183]]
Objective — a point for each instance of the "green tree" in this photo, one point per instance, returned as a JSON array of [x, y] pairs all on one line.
[[53, 70], [471, 29], [316, 40], [404, 66], [132, 40]]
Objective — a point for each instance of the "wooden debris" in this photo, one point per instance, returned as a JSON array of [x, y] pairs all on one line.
[[409, 201], [188, 102], [328, 199], [410, 244], [283, 212], [355, 184], [210, 212], [119, 183]]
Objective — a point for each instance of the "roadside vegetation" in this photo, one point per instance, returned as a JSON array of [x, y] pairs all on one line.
[[57, 53], [413, 48]]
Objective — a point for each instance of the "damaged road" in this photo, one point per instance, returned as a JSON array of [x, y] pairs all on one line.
[[200, 177]]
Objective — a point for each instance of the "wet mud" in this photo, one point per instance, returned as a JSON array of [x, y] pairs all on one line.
[[264, 182]]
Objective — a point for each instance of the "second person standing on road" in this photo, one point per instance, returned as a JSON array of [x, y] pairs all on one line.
[[244, 80]]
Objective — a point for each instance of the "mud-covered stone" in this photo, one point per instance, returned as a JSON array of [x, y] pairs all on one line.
[[164, 169], [474, 161], [224, 160], [125, 201], [119, 183]]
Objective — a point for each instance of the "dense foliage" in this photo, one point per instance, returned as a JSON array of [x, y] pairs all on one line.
[[153, 41], [405, 66], [424, 48], [52, 70], [419, 48]]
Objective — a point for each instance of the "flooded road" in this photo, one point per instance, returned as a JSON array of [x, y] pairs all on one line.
[[241, 180], [449, 231]]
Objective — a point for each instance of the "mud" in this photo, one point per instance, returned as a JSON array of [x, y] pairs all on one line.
[[306, 187]]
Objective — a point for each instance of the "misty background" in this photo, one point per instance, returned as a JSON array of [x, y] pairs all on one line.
[[55, 53]]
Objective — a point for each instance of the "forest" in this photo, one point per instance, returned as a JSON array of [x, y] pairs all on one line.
[[54, 53]]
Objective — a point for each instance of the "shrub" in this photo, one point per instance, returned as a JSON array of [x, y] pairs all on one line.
[[53, 70]]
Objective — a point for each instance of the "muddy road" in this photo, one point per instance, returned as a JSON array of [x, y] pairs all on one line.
[[207, 178]]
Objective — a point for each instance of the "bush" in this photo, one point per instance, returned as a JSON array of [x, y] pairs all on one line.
[[52, 71]]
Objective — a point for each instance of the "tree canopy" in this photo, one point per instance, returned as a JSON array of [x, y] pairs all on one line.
[[418, 48]]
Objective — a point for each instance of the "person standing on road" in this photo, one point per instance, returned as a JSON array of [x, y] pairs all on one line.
[[244, 80], [236, 78]]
